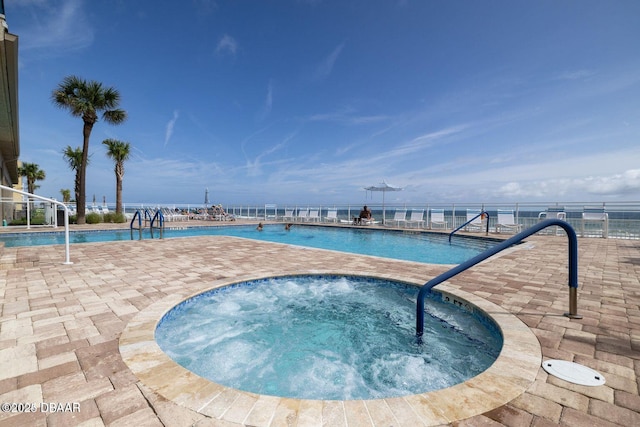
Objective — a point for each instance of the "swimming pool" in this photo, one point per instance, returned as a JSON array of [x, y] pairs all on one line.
[[327, 337], [429, 248]]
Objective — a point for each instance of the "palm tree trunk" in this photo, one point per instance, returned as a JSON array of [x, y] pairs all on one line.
[[82, 199], [119, 170], [118, 195]]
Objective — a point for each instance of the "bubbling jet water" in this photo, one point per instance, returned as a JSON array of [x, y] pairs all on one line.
[[326, 337]]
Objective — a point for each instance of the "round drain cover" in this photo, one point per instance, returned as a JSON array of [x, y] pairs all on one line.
[[573, 372]]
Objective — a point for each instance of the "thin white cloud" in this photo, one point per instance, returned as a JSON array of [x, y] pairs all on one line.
[[619, 184], [57, 28], [355, 119], [627, 182], [347, 115], [268, 102], [579, 177], [575, 75], [325, 68], [227, 44], [170, 125], [205, 7], [423, 142], [254, 168]]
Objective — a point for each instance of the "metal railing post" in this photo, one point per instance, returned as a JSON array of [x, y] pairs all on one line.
[[573, 268], [67, 259], [468, 222]]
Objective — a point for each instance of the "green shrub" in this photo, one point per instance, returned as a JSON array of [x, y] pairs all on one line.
[[119, 218], [92, 218], [114, 217], [108, 217], [23, 221]]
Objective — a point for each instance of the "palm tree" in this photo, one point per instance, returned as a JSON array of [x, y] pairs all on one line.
[[86, 99], [66, 195], [33, 173], [118, 151], [73, 156]]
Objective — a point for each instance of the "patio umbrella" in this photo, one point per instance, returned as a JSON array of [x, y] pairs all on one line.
[[384, 187]]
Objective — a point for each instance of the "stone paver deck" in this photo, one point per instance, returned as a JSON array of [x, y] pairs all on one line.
[[68, 333]]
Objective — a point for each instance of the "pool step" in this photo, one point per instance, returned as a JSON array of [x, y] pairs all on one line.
[[17, 258]]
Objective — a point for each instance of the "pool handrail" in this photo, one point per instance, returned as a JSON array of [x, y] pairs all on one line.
[[573, 268], [147, 215], [160, 217], [469, 222], [136, 215], [67, 259]]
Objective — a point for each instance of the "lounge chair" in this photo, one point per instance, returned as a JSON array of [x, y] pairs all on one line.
[[202, 214], [332, 215], [553, 212], [477, 223], [314, 215], [289, 215], [303, 214], [597, 215], [400, 216], [167, 214], [416, 217], [506, 221], [437, 219]]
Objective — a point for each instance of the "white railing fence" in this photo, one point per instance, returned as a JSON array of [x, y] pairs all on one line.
[[50, 213], [623, 218]]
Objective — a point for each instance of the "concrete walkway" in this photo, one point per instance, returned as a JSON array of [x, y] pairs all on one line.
[[60, 328]]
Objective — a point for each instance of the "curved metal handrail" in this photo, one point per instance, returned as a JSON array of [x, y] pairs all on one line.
[[573, 268], [136, 215], [160, 217], [147, 215], [471, 220]]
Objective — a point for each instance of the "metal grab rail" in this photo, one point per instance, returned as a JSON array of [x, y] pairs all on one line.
[[67, 259], [469, 222], [147, 215], [152, 219], [160, 217], [137, 215], [573, 268]]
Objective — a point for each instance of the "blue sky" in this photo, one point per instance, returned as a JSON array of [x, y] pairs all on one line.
[[296, 101]]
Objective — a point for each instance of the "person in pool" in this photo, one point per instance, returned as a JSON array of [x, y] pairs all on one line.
[[259, 227], [288, 227]]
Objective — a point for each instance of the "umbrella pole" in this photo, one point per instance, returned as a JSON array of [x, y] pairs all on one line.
[[383, 213]]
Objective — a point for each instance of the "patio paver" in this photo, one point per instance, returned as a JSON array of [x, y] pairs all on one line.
[[60, 327]]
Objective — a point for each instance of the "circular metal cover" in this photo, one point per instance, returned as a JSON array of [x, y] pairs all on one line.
[[573, 372]]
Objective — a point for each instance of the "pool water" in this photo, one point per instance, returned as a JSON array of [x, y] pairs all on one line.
[[409, 246], [327, 337]]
